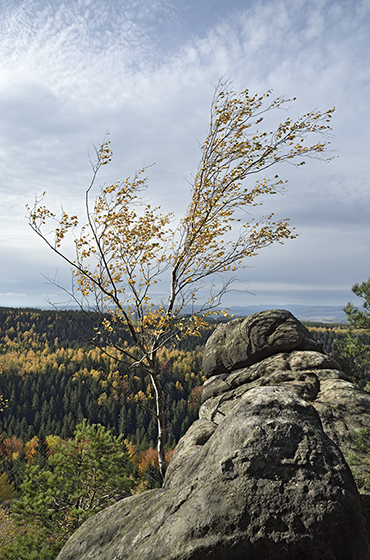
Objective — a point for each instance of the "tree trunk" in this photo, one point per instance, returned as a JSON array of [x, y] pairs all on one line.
[[160, 423]]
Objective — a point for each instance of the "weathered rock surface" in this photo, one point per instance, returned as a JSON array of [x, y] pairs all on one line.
[[243, 342], [261, 474]]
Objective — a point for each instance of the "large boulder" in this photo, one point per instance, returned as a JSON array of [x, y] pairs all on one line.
[[243, 342], [313, 376], [266, 483], [261, 474]]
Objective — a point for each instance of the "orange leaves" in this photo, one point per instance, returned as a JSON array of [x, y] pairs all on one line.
[[31, 448], [145, 458], [196, 395], [11, 447]]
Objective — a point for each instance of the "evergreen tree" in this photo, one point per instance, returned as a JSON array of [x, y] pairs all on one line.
[[81, 477], [354, 348]]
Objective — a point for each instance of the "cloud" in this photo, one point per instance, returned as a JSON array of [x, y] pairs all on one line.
[[70, 70], [12, 294]]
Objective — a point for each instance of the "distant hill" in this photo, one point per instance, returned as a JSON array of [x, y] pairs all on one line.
[[322, 314], [315, 313]]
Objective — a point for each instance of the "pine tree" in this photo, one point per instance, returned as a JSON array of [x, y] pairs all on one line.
[[81, 477], [354, 348]]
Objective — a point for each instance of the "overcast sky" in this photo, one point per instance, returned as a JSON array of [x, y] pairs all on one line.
[[144, 70]]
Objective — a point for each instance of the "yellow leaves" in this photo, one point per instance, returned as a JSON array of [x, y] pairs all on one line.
[[107, 326], [30, 448], [102, 399], [140, 396], [127, 245], [104, 152], [229, 154], [3, 402], [179, 388], [39, 214]]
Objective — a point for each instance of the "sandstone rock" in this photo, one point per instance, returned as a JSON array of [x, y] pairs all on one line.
[[261, 474], [243, 342], [313, 376], [300, 371], [343, 409], [285, 364], [268, 483]]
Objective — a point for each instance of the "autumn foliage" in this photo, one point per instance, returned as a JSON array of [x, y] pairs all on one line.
[[125, 246]]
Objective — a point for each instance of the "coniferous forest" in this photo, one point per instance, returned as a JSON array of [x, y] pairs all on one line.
[[52, 378], [57, 387]]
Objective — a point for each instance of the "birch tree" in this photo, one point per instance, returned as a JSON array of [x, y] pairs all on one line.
[[124, 246]]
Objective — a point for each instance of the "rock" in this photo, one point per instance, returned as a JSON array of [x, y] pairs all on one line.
[[243, 342], [190, 444], [313, 376], [281, 364], [261, 474], [267, 483], [300, 370], [343, 409]]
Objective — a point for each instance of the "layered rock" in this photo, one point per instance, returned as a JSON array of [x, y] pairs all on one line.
[[243, 342], [261, 474], [302, 368]]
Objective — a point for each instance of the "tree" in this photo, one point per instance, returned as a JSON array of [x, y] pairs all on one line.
[[81, 477], [8, 530], [360, 465], [354, 349], [6, 488], [127, 246]]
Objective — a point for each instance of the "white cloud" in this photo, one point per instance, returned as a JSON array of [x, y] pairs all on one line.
[[69, 71]]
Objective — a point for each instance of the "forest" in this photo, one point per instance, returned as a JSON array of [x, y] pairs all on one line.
[[52, 378], [57, 387]]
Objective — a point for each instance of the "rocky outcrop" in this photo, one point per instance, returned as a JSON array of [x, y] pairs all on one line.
[[243, 342], [302, 368], [261, 474]]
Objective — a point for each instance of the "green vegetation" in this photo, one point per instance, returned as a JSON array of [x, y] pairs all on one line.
[[52, 380], [78, 478], [360, 466], [354, 348], [73, 412], [327, 334]]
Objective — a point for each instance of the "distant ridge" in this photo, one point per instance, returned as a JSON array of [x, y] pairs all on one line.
[[317, 313]]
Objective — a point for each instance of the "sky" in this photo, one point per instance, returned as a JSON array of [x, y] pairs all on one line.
[[145, 71]]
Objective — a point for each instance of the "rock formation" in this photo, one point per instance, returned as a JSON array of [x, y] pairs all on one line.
[[261, 475]]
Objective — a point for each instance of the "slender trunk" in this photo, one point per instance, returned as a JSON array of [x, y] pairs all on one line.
[[160, 423]]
